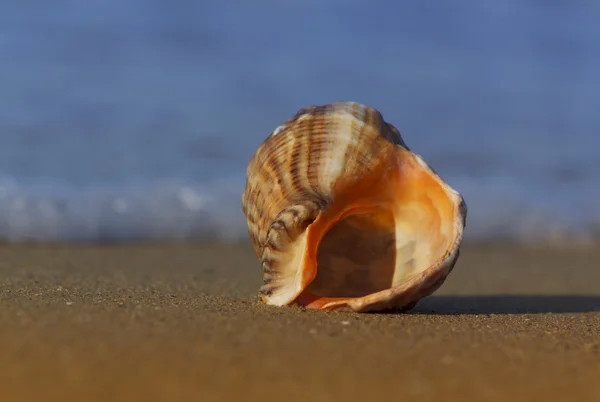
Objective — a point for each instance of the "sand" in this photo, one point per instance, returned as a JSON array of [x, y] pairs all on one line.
[[168, 322]]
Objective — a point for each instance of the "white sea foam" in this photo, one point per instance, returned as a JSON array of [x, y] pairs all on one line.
[[178, 210]]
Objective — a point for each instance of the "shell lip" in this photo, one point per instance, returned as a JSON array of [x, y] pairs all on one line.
[[405, 295]]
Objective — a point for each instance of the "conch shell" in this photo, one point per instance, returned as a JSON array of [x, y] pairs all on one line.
[[341, 213]]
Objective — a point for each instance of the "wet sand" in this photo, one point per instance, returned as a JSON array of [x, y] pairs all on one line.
[[181, 323]]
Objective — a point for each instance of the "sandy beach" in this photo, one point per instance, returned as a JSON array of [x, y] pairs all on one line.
[[180, 322]]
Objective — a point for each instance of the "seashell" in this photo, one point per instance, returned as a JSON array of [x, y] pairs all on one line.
[[342, 214]]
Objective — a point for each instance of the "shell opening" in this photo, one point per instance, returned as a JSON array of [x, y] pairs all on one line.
[[386, 241]]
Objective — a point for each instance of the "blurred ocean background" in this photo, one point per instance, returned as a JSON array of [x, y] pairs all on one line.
[[135, 119]]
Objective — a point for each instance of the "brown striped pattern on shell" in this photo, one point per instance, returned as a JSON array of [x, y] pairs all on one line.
[[292, 176]]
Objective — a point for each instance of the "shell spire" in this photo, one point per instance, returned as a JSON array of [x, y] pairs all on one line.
[[341, 213]]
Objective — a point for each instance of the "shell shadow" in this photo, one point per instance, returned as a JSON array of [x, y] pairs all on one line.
[[506, 304]]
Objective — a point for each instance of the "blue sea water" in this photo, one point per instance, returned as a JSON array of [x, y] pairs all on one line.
[[135, 119]]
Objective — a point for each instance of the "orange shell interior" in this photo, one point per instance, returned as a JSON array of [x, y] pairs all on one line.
[[393, 224]]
